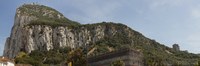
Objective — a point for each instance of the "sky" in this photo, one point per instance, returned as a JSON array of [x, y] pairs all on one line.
[[166, 21]]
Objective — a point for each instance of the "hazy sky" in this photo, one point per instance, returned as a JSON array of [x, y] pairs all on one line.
[[166, 21]]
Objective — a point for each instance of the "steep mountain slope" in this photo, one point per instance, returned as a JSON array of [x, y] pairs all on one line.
[[42, 28]]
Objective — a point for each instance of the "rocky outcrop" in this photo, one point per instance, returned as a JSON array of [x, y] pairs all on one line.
[[37, 27], [43, 37], [26, 37], [176, 47], [17, 37]]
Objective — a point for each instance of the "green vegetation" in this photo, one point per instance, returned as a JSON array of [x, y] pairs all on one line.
[[52, 57], [198, 63], [54, 22], [118, 63], [46, 16], [155, 54], [38, 10], [77, 57]]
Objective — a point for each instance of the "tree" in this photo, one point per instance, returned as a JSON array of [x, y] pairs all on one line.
[[198, 63], [176, 64], [118, 63], [77, 57], [21, 55]]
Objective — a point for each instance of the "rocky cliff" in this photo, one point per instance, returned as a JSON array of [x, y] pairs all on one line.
[[38, 27], [28, 35]]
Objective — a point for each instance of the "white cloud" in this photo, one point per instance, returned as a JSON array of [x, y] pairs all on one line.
[[94, 8], [193, 42], [194, 38], [195, 12], [90, 11], [166, 3]]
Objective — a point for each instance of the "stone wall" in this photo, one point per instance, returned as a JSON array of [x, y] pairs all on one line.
[[129, 56], [176, 47]]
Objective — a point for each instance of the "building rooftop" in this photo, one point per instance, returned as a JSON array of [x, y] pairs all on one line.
[[5, 59]]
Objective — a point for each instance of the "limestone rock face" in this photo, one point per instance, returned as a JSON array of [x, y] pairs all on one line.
[[43, 37], [27, 37], [15, 41]]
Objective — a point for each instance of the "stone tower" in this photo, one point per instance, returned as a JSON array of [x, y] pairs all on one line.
[[176, 47]]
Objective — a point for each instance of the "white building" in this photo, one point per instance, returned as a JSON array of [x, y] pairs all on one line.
[[6, 62]]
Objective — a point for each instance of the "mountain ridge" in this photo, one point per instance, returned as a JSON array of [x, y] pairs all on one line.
[[42, 28]]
